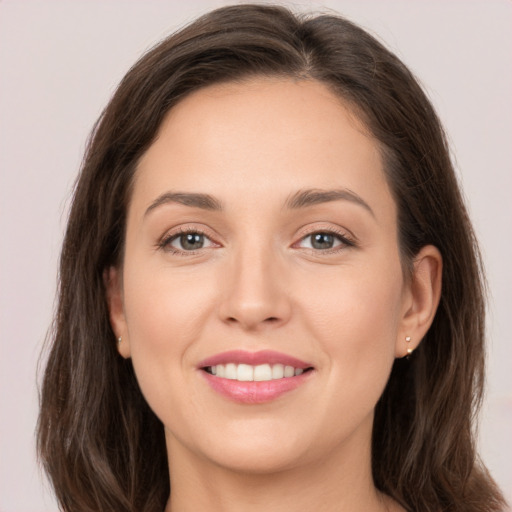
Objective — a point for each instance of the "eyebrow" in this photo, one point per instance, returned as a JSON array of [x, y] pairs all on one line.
[[195, 200], [311, 197], [300, 199]]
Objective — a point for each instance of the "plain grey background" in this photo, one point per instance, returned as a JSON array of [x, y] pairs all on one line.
[[59, 64]]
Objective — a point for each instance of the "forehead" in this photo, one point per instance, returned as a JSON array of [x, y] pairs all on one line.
[[259, 139]]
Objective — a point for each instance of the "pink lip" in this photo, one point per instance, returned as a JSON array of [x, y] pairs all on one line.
[[254, 358], [255, 392]]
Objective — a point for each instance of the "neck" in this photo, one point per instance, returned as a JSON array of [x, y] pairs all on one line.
[[341, 482]]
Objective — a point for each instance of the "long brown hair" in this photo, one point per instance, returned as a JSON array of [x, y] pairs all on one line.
[[100, 443]]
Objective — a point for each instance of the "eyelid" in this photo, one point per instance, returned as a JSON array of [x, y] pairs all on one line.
[[320, 227], [164, 242], [345, 236]]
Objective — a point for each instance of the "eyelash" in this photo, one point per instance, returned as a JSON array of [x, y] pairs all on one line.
[[164, 243], [346, 241]]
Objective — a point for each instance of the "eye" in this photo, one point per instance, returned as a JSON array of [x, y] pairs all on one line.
[[186, 241], [328, 241]]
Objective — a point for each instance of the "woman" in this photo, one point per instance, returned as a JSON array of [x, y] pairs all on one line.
[[271, 295]]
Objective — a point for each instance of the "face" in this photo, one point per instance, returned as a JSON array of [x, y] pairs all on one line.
[[262, 235]]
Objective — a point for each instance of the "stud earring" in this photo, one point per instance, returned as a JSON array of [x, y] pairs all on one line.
[[119, 340], [409, 349]]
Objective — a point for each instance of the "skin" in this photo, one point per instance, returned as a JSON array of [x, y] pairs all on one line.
[[259, 283]]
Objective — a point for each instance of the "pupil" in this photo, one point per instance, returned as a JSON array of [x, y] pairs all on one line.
[[322, 241], [191, 241]]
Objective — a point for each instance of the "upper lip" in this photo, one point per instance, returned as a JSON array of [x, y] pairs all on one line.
[[254, 359]]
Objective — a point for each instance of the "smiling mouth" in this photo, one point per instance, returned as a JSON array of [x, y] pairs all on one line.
[[259, 373]]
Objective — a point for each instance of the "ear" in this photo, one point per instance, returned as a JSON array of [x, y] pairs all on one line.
[[421, 298], [114, 291]]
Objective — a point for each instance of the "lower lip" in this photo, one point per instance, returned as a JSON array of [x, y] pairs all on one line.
[[255, 392]]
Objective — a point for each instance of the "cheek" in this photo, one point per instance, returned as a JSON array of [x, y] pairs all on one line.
[[164, 309], [356, 301], [356, 317], [166, 313]]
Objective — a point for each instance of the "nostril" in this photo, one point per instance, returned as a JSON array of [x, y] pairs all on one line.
[[272, 319]]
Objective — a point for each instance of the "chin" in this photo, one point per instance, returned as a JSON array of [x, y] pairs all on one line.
[[256, 460], [252, 451]]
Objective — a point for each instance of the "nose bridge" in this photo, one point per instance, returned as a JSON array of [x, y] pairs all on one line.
[[255, 293]]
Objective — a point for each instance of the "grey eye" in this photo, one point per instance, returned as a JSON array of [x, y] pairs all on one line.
[[189, 241], [322, 240]]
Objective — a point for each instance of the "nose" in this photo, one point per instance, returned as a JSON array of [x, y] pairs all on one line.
[[255, 293]]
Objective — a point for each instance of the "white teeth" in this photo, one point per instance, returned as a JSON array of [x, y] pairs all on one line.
[[248, 373], [245, 372], [289, 371], [277, 371], [262, 372], [230, 371]]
